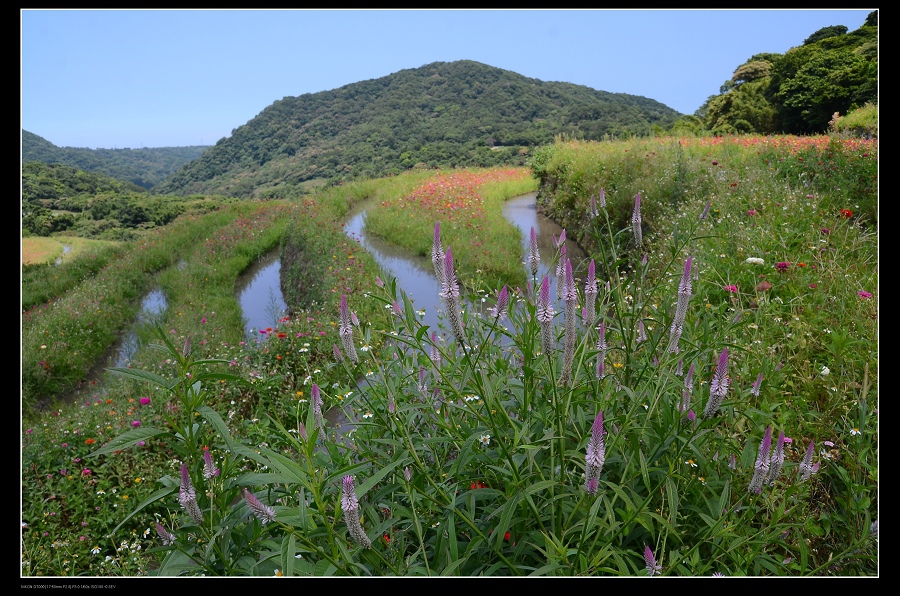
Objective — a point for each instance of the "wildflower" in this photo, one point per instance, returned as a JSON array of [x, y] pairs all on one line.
[[562, 239], [135, 423], [279, 573], [691, 463], [593, 210], [86, 472], [755, 261], [534, 255], [782, 266], [717, 574], [485, 439], [165, 536], [264, 513], [499, 310], [378, 282], [863, 294], [777, 460], [595, 456], [636, 220], [350, 506], [145, 401], [718, 387], [407, 474], [751, 212], [641, 332], [652, 567], [825, 371], [187, 497], [761, 467], [209, 468], [686, 392], [561, 272], [590, 294], [95, 550], [754, 390], [545, 314], [435, 354], [684, 295], [705, 212], [437, 254], [602, 347], [846, 213], [337, 353], [855, 431], [569, 341], [730, 288], [806, 468], [346, 331], [601, 199], [316, 397], [450, 295]]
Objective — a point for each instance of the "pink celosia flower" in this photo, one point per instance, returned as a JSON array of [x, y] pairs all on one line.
[[350, 506], [653, 568]]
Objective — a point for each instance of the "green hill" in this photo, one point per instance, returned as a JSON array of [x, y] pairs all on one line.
[[443, 114], [142, 167]]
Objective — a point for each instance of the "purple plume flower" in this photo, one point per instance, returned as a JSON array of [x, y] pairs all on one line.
[[561, 272], [337, 353], [435, 352], [263, 513], [301, 428], [641, 332], [209, 468], [652, 567], [761, 467], [636, 220], [346, 331], [350, 506], [571, 297], [593, 212], [754, 390], [166, 537], [718, 387], [534, 254], [806, 468], [545, 314], [499, 310], [437, 254], [316, 398], [595, 456], [777, 460], [684, 295], [602, 347], [450, 295], [685, 404], [590, 294], [705, 212], [187, 497], [562, 239]]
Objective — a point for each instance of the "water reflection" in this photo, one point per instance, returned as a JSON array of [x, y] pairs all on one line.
[[415, 275], [259, 293], [152, 307]]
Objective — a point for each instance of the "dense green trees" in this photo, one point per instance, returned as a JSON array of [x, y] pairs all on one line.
[[799, 91]]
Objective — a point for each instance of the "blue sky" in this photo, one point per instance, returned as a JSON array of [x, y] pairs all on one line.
[[172, 78]]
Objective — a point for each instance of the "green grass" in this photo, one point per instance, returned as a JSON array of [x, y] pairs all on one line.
[[470, 458]]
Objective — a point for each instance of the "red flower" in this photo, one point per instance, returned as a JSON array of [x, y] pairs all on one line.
[[89, 441], [782, 266], [387, 539], [846, 213], [475, 485], [506, 536]]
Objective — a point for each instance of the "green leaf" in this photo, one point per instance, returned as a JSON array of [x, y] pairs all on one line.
[[128, 439], [216, 420], [156, 496], [288, 549], [144, 377]]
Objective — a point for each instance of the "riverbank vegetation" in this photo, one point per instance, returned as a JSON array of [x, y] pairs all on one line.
[[527, 443]]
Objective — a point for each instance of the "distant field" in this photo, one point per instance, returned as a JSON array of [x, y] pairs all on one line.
[[41, 249]]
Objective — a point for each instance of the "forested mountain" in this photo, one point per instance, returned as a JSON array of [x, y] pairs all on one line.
[[143, 167], [444, 114]]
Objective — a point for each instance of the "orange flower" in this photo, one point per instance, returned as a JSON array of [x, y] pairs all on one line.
[[89, 441], [846, 213]]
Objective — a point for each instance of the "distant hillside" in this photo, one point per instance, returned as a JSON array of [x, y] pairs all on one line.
[[443, 114], [143, 167]]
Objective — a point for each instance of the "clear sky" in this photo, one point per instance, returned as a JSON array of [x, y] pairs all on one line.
[[172, 78]]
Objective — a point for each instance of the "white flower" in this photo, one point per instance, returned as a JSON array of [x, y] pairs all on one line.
[[755, 261], [485, 439], [855, 432], [825, 371]]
